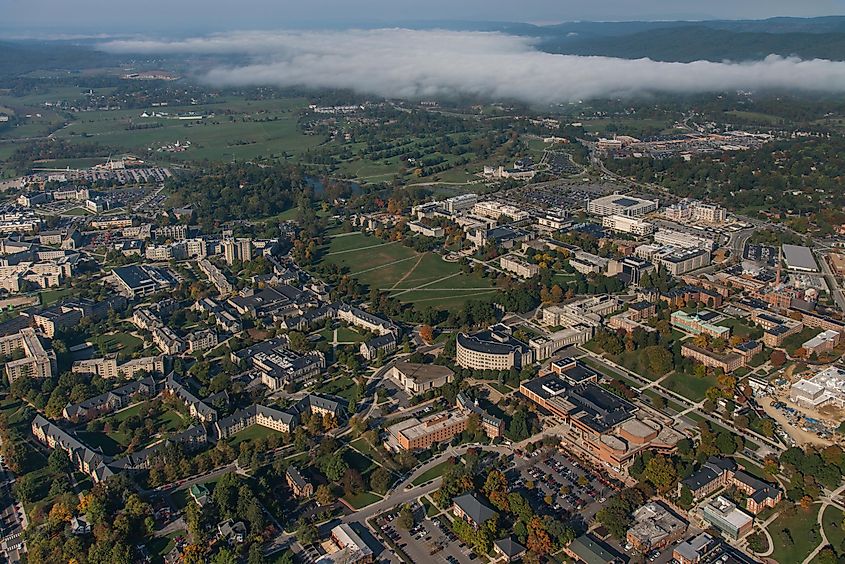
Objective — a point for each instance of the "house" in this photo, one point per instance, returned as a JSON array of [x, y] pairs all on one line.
[[471, 510], [297, 483], [508, 549], [79, 526], [233, 532]]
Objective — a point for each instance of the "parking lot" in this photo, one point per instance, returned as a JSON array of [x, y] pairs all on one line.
[[572, 486], [430, 540]]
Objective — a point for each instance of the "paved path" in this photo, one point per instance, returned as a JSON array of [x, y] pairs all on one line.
[[827, 501]]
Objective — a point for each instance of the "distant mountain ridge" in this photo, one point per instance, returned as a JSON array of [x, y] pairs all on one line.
[[682, 41]]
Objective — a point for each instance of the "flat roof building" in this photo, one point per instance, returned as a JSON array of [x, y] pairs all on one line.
[[617, 204], [798, 257]]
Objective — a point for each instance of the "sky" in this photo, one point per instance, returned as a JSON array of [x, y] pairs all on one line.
[[196, 16]]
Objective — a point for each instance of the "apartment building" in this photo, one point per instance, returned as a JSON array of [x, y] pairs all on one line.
[[493, 349], [626, 224], [518, 266], [728, 361], [36, 362]]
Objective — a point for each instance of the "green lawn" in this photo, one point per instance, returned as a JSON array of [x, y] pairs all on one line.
[[794, 342], [52, 296], [412, 277], [125, 344], [361, 500], [342, 386], [688, 385], [799, 527], [742, 328], [111, 444], [349, 335], [252, 433], [832, 521], [363, 447], [432, 473]]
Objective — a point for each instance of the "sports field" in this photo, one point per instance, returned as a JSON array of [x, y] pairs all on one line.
[[419, 278]]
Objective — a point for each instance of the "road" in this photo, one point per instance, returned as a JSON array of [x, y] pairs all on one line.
[[402, 493]]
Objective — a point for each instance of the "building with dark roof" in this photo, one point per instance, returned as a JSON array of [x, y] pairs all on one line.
[[83, 458], [471, 510], [508, 549], [142, 280], [297, 483], [715, 473], [383, 344], [277, 364], [110, 401], [600, 423], [589, 550]]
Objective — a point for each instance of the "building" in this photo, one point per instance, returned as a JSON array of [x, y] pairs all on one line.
[[683, 240], [417, 379], [425, 230], [300, 487], [239, 249], [365, 320], [382, 345], [201, 341], [463, 202], [760, 494], [825, 341], [110, 401], [153, 365], [105, 367], [598, 422], [716, 473], [798, 257], [518, 266], [681, 261], [728, 361], [776, 328], [694, 550], [224, 287], [825, 388], [542, 347], [350, 548], [35, 362], [629, 269], [277, 364], [197, 408], [692, 210], [497, 210], [471, 510], [654, 528], [627, 224], [698, 323], [83, 458], [415, 434], [492, 425], [724, 515], [139, 281], [508, 549], [493, 349], [281, 421], [590, 550], [618, 204]]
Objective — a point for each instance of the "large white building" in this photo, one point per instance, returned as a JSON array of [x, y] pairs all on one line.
[[682, 240], [825, 388], [693, 210], [625, 224], [618, 204], [460, 203]]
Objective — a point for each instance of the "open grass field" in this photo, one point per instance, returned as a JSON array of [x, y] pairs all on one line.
[[742, 328], [49, 297], [123, 343], [832, 522], [361, 500], [432, 473], [689, 385], [799, 544], [412, 277], [252, 433], [342, 386]]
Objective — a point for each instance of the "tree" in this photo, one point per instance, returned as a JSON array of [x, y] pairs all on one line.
[[427, 334], [380, 480], [661, 472], [353, 482], [333, 467], [324, 495], [59, 462], [685, 500], [307, 533], [406, 518], [777, 358], [538, 539]]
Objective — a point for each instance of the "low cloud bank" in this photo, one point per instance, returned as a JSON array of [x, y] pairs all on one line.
[[401, 63]]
